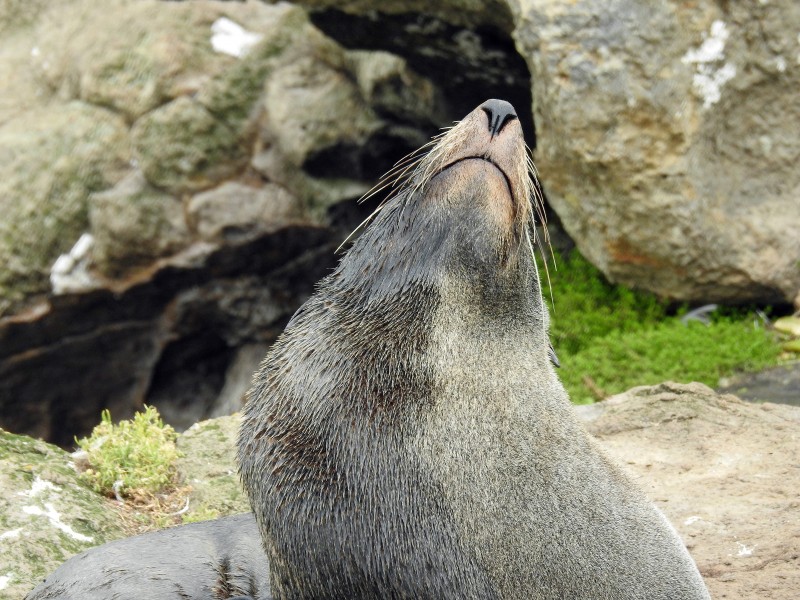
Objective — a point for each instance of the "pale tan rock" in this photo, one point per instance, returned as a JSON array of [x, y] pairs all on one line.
[[134, 224], [725, 474], [234, 211], [669, 138]]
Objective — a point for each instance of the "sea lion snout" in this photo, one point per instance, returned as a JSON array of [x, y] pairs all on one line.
[[499, 113], [485, 156]]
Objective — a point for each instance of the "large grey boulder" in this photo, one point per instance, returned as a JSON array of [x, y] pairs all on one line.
[[135, 223], [669, 139]]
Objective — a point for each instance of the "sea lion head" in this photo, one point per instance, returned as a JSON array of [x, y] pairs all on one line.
[[465, 209]]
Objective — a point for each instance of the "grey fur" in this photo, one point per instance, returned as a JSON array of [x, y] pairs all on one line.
[[213, 560], [407, 436]]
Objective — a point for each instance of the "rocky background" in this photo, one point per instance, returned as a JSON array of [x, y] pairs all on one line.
[[175, 176]]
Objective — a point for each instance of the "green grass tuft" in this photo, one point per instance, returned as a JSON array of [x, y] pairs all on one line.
[[670, 350], [140, 453]]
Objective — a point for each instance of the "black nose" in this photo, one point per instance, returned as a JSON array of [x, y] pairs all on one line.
[[499, 112]]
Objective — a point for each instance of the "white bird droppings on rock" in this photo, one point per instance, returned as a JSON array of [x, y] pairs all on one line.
[[744, 550], [70, 272], [52, 515], [231, 38], [709, 76], [12, 534], [5, 580], [711, 50], [39, 485]]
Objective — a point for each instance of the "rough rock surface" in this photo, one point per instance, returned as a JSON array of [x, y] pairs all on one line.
[[134, 224], [50, 162], [46, 516], [669, 137], [724, 472], [209, 466]]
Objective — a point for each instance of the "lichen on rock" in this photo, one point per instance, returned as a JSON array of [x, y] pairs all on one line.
[[133, 224], [50, 161], [46, 516], [234, 211]]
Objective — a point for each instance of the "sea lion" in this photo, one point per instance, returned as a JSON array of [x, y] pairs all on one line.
[[212, 560], [407, 435]]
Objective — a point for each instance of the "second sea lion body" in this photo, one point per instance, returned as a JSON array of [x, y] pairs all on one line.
[[408, 437]]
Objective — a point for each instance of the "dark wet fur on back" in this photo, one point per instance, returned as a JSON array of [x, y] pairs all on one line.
[[212, 560]]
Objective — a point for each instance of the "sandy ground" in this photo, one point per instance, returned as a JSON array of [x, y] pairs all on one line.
[[725, 472]]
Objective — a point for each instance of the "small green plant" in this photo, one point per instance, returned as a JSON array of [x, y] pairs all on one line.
[[134, 458]]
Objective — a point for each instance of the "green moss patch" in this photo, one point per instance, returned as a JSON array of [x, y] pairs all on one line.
[[181, 147], [50, 162], [671, 350], [609, 338], [584, 306]]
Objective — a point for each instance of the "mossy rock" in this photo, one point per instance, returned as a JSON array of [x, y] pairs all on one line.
[[208, 464], [286, 34], [46, 515], [50, 162], [136, 54], [134, 224], [182, 147], [193, 143]]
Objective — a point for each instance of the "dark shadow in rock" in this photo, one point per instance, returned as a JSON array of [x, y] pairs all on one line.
[[189, 377], [467, 64], [779, 384], [370, 161], [171, 331]]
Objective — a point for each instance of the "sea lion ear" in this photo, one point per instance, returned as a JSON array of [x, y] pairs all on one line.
[[552, 354]]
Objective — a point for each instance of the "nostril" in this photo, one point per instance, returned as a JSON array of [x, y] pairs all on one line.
[[499, 112]]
